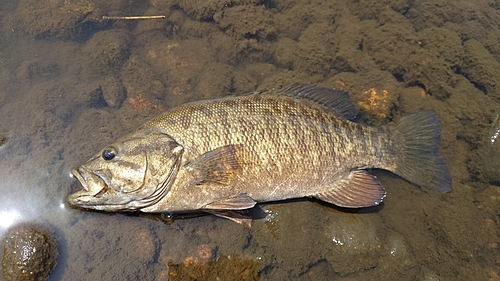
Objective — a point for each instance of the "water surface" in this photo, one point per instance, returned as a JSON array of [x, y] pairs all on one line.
[[71, 82]]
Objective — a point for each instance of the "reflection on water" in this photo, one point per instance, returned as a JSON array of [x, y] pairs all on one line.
[[71, 82], [8, 218]]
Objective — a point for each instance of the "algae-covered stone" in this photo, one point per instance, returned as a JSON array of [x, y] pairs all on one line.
[[29, 253], [58, 18], [113, 91], [481, 68], [107, 51], [225, 268]]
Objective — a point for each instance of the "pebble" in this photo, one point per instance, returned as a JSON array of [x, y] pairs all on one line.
[[29, 252]]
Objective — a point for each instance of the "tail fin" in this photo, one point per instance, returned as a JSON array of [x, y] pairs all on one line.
[[418, 158]]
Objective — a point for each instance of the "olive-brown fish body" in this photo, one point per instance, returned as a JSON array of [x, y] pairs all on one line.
[[283, 148], [230, 153]]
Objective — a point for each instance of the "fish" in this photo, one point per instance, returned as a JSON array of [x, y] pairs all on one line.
[[223, 156]]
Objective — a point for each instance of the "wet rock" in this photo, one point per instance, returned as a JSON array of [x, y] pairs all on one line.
[[396, 254], [355, 243], [215, 81], [138, 77], [29, 253], [484, 165], [225, 268], [315, 49], [113, 91], [106, 51], [407, 63], [252, 76], [285, 78], [245, 22], [97, 99], [192, 28], [284, 54], [375, 94], [181, 61], [377, 105], [37, 69], [59, 18], [290, 231], [439, 84], [366, 9], [446, 44], [205, 10], [145, 243], [484, 162], [482, 69]]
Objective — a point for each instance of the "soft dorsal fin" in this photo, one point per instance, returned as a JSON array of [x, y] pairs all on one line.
[[220, 165], [359, 189], [335, 99]]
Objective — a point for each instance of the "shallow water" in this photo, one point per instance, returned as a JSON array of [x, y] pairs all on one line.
[[70, 83]]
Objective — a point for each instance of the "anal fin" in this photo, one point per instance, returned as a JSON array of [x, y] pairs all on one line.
[[359, 189]]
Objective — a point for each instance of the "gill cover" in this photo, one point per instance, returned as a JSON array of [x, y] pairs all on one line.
[[135, 172]]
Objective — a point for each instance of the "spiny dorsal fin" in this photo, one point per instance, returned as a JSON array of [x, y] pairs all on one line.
[[335, 99], [359, 189], [220, 165]]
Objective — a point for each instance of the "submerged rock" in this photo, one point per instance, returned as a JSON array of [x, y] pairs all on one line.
[[355, 243], [58, 18], [225, 268], [29, 253]]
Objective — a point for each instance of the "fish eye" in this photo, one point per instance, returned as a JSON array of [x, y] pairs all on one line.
[[108, 154]]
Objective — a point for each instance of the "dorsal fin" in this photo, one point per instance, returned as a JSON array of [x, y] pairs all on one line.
[[335, 99]]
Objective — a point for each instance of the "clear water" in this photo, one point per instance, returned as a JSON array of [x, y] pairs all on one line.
[[62, 98]]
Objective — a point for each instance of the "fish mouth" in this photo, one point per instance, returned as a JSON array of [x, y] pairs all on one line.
[[93, 183], [81, 175]]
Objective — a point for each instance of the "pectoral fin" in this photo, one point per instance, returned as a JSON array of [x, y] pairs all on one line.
[[239, 202], [358, 189], [220, 165]]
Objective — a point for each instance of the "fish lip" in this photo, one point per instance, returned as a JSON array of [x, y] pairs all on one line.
[[81, 175]]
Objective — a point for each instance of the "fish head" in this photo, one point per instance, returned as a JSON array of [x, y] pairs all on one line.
[[132, 173]]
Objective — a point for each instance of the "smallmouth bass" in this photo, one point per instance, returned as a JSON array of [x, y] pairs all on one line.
[[223, 156]]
